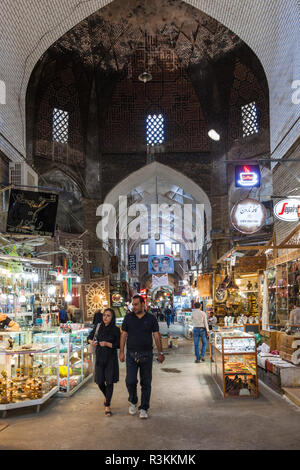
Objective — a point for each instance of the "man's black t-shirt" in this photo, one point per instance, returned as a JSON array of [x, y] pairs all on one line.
[[139, 331]]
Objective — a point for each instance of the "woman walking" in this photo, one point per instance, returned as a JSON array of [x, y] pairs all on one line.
[[106, 337]]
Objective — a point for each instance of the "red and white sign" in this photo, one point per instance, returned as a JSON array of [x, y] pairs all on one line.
[[287, 210]]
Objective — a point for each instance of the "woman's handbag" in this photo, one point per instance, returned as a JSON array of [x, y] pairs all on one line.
[[92, 347]]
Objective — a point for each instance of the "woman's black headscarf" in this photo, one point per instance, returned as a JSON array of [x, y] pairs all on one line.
[[112, 322]]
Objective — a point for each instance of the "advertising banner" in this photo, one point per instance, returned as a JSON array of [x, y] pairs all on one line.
[[160, 281], [32, 213], [160, 264]]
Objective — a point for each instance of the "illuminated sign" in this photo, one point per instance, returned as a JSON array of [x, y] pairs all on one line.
[[248, 216], [247, 176], [287, 210]]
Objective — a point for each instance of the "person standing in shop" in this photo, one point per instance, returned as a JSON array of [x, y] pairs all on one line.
[[200, 331], [295, 316], [106, 337], [6, 322], [137, 330], [63, 316]]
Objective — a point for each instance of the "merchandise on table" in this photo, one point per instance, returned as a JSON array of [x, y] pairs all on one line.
[[28, 371]]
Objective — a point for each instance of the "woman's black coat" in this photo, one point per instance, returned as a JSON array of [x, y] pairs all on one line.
[[107, 364]]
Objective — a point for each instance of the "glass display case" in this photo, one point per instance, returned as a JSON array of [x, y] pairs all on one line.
[[75, 362], [28, 368], [235, 363], [283, 291]]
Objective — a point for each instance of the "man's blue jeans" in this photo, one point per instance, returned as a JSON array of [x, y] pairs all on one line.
[[199, 333]]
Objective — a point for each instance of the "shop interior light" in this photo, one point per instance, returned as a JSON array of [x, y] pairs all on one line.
[[60, 277], [22, 299], [51, 290], [78, 279], [35, 277], [68, 298], [213, 134], [238, 281]]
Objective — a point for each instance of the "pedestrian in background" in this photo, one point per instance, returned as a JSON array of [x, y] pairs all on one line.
[[200, 331]]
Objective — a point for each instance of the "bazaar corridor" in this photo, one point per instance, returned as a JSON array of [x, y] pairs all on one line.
[[187, 412]]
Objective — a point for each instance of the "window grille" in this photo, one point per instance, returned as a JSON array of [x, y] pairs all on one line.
[[60, 125], [144, 249], [249, 119], [155, 129], [160, 248]]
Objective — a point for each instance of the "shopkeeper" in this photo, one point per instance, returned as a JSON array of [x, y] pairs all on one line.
[[295, 316], [5, 321]]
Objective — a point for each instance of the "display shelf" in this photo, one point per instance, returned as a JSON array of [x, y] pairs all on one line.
[[38, 402], [76, 363], [65, 394], [235, 370], [28, 377], [16, 352]]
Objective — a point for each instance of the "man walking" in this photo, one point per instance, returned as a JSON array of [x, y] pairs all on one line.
[[137, 330], [200, 330]]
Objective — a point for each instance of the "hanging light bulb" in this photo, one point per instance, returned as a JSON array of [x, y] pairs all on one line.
[[22, 299], [35, 277], [60, 277], [68, 298], [78, 279]]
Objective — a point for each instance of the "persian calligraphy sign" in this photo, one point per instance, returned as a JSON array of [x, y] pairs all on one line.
[[248, 216]]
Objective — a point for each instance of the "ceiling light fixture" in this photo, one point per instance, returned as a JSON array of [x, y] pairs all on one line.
[[145, 77], [213, 134]]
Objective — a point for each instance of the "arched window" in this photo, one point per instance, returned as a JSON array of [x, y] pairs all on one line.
[[155, 128]]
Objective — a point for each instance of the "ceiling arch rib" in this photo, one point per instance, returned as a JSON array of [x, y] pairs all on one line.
[[185, 219]]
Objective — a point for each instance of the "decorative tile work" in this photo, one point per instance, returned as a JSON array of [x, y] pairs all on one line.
[[94, 297]]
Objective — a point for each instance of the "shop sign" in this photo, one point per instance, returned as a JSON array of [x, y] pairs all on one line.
[[248, 216], [32, 213], [287, 210], [132, 262], [247, 176]]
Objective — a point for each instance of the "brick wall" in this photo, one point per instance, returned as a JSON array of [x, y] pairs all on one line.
[[246, 88], [169, 93], [61, 93]]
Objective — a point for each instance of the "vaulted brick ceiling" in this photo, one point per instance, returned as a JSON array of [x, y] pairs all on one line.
[[165, 29], [269, 27]]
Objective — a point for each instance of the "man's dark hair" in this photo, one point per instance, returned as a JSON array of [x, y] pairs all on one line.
[[197, 304], [166, 259], [155, 259], [142, 300]]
